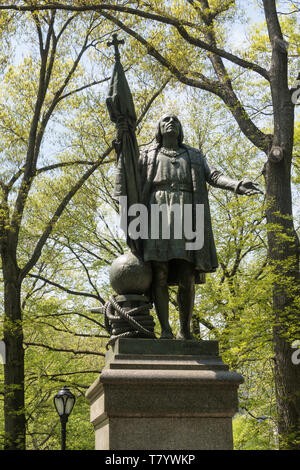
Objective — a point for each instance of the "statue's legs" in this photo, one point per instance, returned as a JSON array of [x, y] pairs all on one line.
[[186, 298], [161, 297]]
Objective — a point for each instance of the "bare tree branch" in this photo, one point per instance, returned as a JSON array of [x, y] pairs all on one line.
[[166, 19], [54, 166], [59, 211], [65, 350], [73, 333], [63, 288]]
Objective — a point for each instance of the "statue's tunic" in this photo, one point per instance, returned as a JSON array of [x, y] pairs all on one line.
[[194, 171], [171, 191]]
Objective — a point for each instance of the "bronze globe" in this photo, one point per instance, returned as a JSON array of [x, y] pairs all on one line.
[[130, 275]]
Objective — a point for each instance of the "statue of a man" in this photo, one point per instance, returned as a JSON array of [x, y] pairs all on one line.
[[173, 173]]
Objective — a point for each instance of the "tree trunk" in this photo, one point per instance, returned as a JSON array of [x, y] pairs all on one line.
[[14, 412], [282, 240], [287, 382], [284, 255]]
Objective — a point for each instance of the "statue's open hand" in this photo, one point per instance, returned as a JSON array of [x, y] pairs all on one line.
[[248, 188]]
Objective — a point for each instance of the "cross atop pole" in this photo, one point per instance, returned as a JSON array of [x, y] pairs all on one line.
[[115, 42]]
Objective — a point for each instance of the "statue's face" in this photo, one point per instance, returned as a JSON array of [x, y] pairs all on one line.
[[169, 124]]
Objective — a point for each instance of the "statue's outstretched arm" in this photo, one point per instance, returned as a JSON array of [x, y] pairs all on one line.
[[215, 178]]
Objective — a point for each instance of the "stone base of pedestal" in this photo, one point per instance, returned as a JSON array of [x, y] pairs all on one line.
[[164, 395]]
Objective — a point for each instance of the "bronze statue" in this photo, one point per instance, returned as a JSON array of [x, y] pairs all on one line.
[[168, 174], [174, 173]]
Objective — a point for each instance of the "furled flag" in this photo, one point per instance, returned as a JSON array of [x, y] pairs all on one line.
[[121, 110]]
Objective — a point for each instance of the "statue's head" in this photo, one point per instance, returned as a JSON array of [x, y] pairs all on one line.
[[169, 123]]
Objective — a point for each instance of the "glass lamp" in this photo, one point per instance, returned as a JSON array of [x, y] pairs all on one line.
[[64, 402]]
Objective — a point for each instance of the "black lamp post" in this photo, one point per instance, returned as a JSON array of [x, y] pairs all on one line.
[[64, 401]]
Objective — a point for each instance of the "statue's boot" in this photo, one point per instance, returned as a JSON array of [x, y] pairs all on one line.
[[186, 298], [160, 295]]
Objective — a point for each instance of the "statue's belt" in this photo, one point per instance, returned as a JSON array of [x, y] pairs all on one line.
[[173, 187]]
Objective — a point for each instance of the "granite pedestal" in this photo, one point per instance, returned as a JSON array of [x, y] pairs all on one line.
[[164, 395]]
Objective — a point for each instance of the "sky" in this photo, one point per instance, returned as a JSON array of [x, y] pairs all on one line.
[[254, 14]]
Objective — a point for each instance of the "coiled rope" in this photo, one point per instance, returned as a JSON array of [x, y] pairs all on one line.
[[120, 322]]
